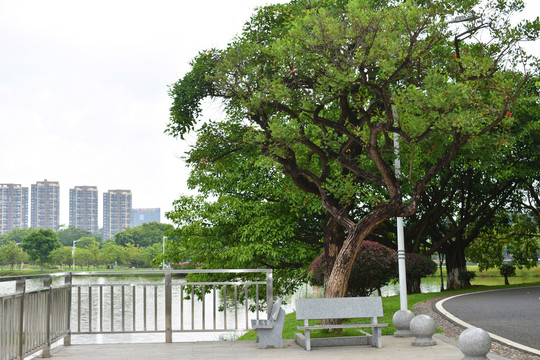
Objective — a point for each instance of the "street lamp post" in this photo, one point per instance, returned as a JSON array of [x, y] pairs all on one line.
[[73, 253], [400, 238], [163, 259]]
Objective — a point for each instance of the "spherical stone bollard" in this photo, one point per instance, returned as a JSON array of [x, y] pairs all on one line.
[[423, 327], [402, 321], [475, 344]]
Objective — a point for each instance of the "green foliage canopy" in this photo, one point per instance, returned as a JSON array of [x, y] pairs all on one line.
[[11, 253], [67, 235], [40, 243], [145, 235], [15, 235], [321, 88]]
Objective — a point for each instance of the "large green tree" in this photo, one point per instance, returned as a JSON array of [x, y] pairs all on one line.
[[62, 256], [90, 244], [111, 253], [11, 253], [39, 245], [323, 87]]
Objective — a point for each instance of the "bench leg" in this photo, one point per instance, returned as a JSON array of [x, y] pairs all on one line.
[[308, 339], [376, 337]]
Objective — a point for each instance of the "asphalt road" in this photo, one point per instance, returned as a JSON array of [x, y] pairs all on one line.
[[513, 314]]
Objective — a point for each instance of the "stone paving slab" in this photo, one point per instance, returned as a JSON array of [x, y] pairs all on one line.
[[393, 349]]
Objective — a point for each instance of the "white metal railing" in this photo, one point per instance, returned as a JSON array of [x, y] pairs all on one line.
[[172, 305], [32, 321]]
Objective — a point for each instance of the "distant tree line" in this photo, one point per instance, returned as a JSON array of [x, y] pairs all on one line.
[[134, 247]]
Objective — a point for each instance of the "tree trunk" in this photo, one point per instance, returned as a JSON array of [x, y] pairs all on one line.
[[41, 265], [455, 264], [441, 257], [334, 235], [413, 286], [336, 285], [506, 282]]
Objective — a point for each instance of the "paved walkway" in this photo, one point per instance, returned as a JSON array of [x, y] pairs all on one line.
[[393, 349]]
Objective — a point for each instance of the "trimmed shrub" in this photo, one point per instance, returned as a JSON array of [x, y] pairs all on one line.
[[465, 278]]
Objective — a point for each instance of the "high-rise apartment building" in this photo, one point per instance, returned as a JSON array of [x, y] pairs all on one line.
[[45, 207], [83, 208], [142, 216], [13, 207], [116, 212]]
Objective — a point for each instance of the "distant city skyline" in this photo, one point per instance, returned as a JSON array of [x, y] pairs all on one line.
[[13, 207], [83, 208], [145, 215], [46, 195], [45, 205], [117, 212]]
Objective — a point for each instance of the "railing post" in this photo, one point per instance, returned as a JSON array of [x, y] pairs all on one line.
[[47, 283], [20, 287], [68, 280], [168, 308], [269, 293]]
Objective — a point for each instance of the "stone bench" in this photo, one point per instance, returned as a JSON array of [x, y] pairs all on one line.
[[270, 332], [340, 308]]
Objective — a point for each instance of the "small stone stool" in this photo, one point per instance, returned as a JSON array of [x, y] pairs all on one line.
[[475, 344], [402, 323], [423, 327]]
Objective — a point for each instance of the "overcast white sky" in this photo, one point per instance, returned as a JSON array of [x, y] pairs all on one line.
[[83, 90]]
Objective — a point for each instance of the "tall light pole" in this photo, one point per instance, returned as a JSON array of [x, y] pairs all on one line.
[[73, 253], [400, 237], [163, 259], [402, 318]]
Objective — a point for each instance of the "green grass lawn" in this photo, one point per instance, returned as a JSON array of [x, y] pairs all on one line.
[[492, 277], [391, 304]]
